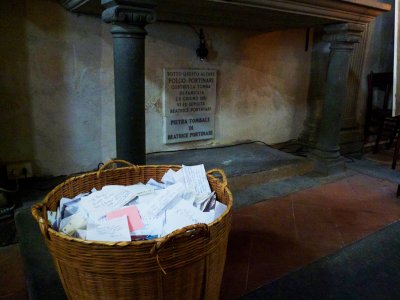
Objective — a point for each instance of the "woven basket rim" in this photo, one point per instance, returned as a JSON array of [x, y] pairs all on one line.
[[58, 234]]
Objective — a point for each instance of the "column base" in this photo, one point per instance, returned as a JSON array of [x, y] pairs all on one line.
[[327, 163], [351, 141]]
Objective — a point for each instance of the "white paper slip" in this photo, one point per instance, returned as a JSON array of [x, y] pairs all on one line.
[[196, 179], [63, 201], [70, 208], [139, 188], [219, 209], [172, 177], [162, 200], [146, 198], [156, 185], [71, 224], [81, 195], [58, 219], [178, 176], [168, 177], [115, 230], [52, 218], [109, 198], [205, 202], [152, 226], [80, 234], [184, 214]]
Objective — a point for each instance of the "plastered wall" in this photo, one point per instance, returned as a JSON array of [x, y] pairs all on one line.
[[57, 93], [262, 81]]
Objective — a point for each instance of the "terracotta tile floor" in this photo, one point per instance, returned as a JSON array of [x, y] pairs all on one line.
[[274, 237]]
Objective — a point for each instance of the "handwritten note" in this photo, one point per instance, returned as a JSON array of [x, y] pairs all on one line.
[[134, 219], [196, 179], [108, 199], [184, 214], [152, 226], [161, 201], [114, 230], [139, 188]]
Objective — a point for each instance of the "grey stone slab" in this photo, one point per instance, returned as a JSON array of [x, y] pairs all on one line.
[[271, 190], [41, 276], [374, 169], [234, 160]]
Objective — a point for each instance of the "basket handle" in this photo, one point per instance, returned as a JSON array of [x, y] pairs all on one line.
[[110, 162], [191, 230], [43, 225], [188, 231], [223, 176]]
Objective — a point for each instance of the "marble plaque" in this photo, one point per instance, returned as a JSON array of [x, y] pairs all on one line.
[[189, 98], [189, 91], [186, 128]]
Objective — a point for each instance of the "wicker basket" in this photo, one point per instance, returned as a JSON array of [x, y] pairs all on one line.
[[186, 264]]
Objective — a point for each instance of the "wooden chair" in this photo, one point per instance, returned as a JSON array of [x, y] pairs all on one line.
[[379, 120], [395, 157]]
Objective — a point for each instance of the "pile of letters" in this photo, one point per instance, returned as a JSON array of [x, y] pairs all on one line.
[[140, 211]]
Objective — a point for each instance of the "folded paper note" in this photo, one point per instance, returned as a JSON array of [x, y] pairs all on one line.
[[108, 199], [115, 230]]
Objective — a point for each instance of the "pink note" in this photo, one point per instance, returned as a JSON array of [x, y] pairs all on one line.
[[134, 219]]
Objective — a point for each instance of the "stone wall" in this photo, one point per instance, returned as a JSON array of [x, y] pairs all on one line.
[[57, 94]]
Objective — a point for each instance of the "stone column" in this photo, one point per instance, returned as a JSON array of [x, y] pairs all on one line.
[[352, 133], [342, 38], [316, 89], [129, 17]]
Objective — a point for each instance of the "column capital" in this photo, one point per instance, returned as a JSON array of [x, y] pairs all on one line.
[[137, 13], [343, 35]]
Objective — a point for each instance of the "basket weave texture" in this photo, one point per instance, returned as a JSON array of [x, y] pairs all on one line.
[[193, 257]]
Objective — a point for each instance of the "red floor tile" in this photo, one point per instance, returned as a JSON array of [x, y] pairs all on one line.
[[316, 227], [355, 225], [237, 260], [274, 217], [275, 237], [270, 258]]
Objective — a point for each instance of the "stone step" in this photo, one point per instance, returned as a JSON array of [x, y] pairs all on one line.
[[245, 165]]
